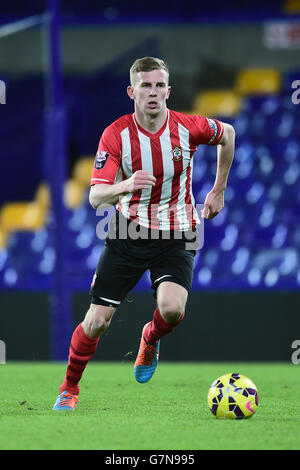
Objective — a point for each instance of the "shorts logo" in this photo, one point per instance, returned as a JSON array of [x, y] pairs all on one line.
[[177, 154], [101, 159]]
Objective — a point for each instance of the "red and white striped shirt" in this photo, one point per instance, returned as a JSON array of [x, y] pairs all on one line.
[[126, 147]]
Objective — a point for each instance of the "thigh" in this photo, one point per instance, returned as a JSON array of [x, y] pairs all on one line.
[[176, 265], [171, 298], [116, 274]]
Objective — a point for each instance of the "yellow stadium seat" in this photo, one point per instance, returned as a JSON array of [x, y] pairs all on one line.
[[74, 194], [27, 216], [291, 6], [82, 171], [3, 239], [212, 103], [253, 81], [42, 196]]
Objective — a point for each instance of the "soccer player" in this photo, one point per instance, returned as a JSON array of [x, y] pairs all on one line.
[[144, 165]]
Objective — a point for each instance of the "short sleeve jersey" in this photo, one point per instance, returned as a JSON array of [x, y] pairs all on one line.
[[126, 147]]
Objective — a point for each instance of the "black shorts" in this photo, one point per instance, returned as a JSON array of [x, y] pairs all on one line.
[[124, 261]]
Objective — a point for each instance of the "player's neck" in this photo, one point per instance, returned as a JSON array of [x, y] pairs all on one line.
[[151, 123]]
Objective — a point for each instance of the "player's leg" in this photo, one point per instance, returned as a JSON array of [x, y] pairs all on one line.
[[97, 320], [115, 276], [171, 301], [83, 346], [171, 279]]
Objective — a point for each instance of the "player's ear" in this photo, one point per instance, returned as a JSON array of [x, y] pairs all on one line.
[[169, 91], [130, 92]]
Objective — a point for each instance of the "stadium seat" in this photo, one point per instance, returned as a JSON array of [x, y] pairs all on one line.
[[76, 187], [241, 125], [265, 104], [42, 196], [256, 81], [265, 165], [82, 170], [215, 103], [200, 170], [282, 125], [3, 239], [295, 236], [22, 216], [74, 193], [270, 235], [274, 265], [291, 6]]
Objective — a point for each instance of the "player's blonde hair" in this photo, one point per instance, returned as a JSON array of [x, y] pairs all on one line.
[[146, 64]]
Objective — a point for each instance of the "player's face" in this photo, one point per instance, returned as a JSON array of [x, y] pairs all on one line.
[[150, 91]]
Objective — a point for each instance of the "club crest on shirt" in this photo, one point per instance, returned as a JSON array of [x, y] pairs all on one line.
[[177, 154], [101, 159]]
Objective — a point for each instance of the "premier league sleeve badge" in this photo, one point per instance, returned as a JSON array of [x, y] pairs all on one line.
[[101, 159]]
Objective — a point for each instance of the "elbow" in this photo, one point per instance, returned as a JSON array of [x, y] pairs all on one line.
[[92, 199], [230, 130], [98, 197], [228, 135]]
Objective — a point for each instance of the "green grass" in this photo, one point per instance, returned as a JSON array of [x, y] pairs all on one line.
[[168, 413]]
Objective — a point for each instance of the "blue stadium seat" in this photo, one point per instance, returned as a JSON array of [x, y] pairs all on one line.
[[274, 267], [281, 124], [265, 105]]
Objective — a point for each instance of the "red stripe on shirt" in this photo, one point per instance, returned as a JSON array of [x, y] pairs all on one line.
[[178, 167]]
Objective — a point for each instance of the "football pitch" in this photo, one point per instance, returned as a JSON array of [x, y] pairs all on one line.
[[170, 412]]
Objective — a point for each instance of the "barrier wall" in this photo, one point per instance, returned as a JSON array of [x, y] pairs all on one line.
[[219, 326]]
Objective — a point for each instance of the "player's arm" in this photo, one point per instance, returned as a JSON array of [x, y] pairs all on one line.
[[104, 195], [214, 201], [106, 189]]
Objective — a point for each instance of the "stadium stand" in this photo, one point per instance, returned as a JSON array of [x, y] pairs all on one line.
[[253, 243]]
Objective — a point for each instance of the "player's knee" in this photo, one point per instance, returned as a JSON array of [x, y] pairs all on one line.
[[97, 320], [100, 324], [171, 311]]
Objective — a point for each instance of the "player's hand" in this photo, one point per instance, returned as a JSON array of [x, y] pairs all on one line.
[[140, 180], [213, 204]]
